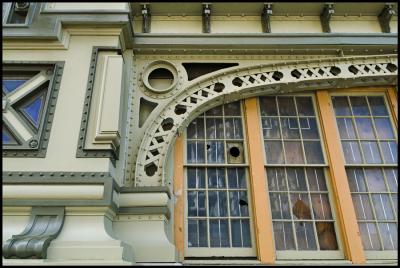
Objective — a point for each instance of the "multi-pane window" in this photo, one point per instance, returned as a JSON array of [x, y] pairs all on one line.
[[297, 183], [218, 216], [369, 145]]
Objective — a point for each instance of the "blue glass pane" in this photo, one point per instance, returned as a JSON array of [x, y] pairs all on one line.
[[8, 138], [33, 110], [11, 85]]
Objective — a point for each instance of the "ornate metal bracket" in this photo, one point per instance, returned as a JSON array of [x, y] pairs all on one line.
[[384, 18], [44, 226], [325, 17], [206, 18], [146, 16], [266, 17]]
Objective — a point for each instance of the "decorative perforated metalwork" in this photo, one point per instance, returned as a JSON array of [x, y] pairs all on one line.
[[30, 91], [241, 83]]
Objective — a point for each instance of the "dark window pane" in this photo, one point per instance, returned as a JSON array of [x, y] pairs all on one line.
[[236, 178], [276, 179], [290, 128], [216, 177], [326, 236], [215, 152], [279, 206], [283, 234], [268, 106], [216, 111], [246, 233], [389, 151], [351, 151], [364, 127], [395, 203], [305, 106], [316, 179], [234, 200], [270, 126], [192, 203], [215, 239], [274, 152], [296, 179], [313, 152], [377, 105], [392, 178], [195, 152], [214, 128], [195, 130], [244, 204], [301, 206], [203, 237], [217, 205], [369, 236], [309, 129], [294, 152], [359, 106], [346, 128], [341, 106], [232, 109], [362, 206], [196, 178], [384, 128], [389, 235], [286, 106], [321, 206], [305, 236], [236, 233], [233, 128], [371, 152], [193, 234], [224, 233], [356, 180], [382, 206]]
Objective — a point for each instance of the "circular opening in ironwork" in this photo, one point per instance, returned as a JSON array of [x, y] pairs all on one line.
[[151, 169], [234, 151], [161, 79]]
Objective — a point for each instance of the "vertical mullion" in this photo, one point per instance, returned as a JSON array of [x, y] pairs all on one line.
[[228, 206], [347, 217], [261, 206], [353, 118], [207, 210]]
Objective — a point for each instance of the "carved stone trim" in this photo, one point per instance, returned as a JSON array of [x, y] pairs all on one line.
[[242, 82], [44, 226]]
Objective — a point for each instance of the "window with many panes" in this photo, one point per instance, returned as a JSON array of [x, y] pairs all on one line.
[[369, 144], [302, 217], [218, 211]]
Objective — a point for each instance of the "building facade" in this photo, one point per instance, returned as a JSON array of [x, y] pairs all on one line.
[[200, 133]]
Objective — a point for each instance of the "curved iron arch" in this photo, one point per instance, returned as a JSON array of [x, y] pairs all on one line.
[[243, 82]]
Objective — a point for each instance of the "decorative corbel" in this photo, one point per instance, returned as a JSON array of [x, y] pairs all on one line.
[[325, 17], [146, 18], [44, 226], [385, 17], [266, 17], [206, 18]]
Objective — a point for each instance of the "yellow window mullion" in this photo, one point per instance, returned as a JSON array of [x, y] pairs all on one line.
[[178, 192], [262, 215], [346, 214]]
